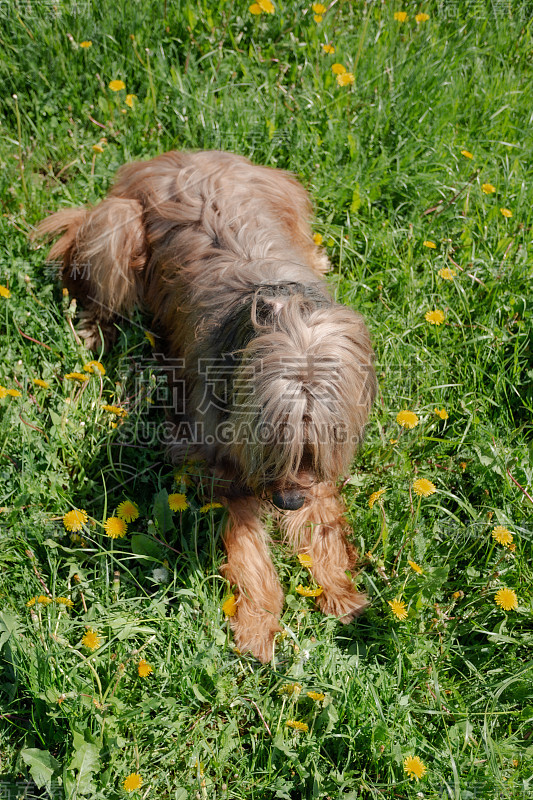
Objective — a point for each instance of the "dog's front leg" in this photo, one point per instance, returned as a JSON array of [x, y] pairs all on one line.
[[249, 568]]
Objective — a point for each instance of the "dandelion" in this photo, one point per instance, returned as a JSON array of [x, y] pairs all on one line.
[[92, 365], [262, 5], [423, 488], [338, 69], [144, 669], [209, 506], [463, 465], [44, 600], [316, 696], [41, 383], [488, 188], [318, 18], [328, 48], [13, 393], [414, 767], [421, 18], [4, 292], [414, 566], [3, 392], [98, 148], [430, 244], [458, 595], [291, 688], [31, 602], [308, 591], [129, 99], [399, 609], [506, 599], [441, 412], [75, 520], [115, 527], [150, 337], [506, 213], [119, 412], [466, 154], [401, 16], [255, 8], [435, 317], [64, 601], [502, 535], [127, 511], [91, 640], [317, 239], [447, 273], [375, 496], [318, 8], [133, 782], [298, 726], [229, 606], [116, 86], [407, 419], [86, 45], [345, 79], [305, 560], [177, 502], [77, 376]]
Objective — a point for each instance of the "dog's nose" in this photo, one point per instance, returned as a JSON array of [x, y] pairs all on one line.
[[288, 500]]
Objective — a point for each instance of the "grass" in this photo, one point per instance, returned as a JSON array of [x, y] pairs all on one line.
[[451, 683]]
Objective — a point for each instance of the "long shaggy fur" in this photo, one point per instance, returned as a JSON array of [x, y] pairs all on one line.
[[278, 377]]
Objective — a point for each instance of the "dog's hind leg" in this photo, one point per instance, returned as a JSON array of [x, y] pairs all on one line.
[[319, 530], [249, 568]]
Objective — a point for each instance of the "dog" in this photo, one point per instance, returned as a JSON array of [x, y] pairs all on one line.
[[278, 378]]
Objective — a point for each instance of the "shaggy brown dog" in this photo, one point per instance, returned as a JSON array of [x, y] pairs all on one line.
[[278, 377]]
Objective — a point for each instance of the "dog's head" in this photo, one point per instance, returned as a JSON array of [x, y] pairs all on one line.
[[302, 393]]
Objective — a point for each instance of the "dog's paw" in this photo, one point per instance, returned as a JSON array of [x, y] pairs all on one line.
[[255, 634], [345, 604], [95, 333]]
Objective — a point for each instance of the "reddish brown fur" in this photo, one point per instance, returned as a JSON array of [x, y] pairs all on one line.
[[221, 253]]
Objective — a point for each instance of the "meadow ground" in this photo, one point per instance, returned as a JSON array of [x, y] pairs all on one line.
[[117, 667]]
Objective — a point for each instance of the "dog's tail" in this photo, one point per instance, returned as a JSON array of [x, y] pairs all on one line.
[[102, 252]]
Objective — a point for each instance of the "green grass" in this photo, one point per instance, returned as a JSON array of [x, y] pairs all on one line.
[[452, 683]]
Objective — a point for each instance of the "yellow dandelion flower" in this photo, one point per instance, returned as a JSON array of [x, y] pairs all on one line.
[[447, 273], [338, 69], [318, 18], [317, 239], [210, 506], [98, 148], [414, 767], [266, 6], [133, 782], [298, 726], [512, 547], [92, 640], [115, 527], [86, 45], [421, 18], [64, 601], [44, 600], [229, 606], [423, 488], [129, 99], [375, 496], [291, 688], [430, 244], [502, 535], [488, 188], [316, 696], [506, 599], [41, 383], [463, 465], [399, 609], [466, 154], [401, 16], [150, 337], [506, 213], [458, 595], [92, 365], [305, 560], [414, 566], [255, 8], [345, 79], [116, 86], [120, 412], [13, 392], [31, 602], [75, 520], [328, 48], [435, 317], [127, 511], [3, 392], [441, 412], [77, 376], [318, 8], [177, 502], [4, 292], [308, 591], [144, 668], [407, 419]]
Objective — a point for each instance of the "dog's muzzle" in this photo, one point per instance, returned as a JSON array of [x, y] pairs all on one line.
[[288, 500]]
